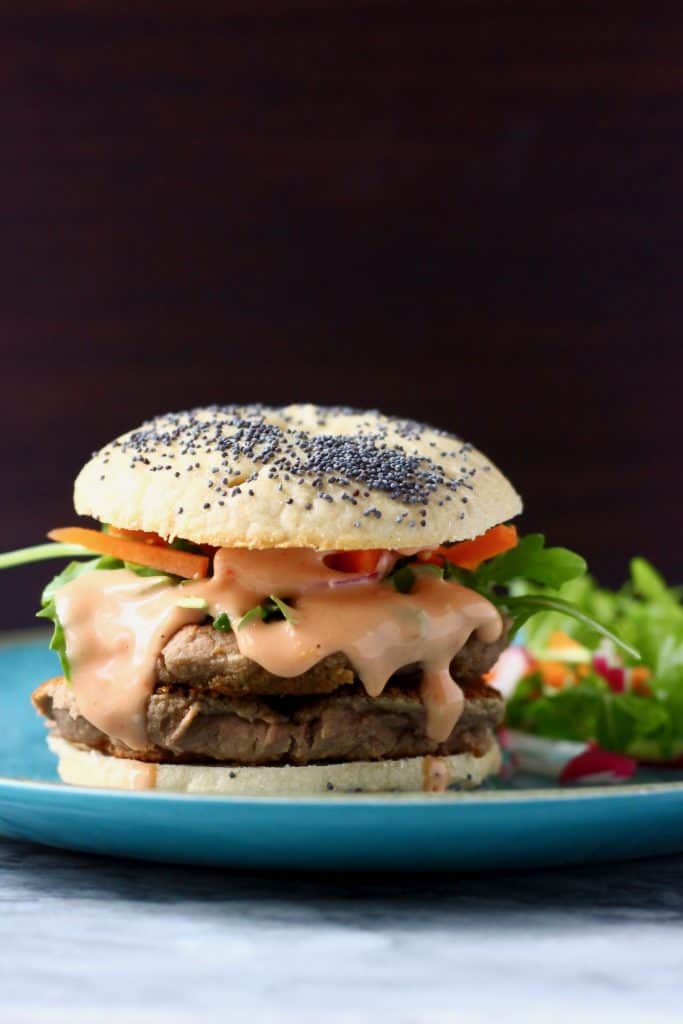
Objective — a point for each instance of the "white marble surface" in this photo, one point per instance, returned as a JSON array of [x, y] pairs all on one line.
[[87, 939]]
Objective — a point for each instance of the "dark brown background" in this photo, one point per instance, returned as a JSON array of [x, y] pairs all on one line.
[[463, 212]]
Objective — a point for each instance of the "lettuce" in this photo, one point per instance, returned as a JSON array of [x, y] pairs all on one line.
[[48, 609], [517, 581], [645, 614]]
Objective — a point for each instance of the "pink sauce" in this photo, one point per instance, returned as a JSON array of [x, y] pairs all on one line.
[[436, 775], [116, 624]]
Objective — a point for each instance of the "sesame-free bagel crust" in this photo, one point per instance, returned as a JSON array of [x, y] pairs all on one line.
[[297, 476]]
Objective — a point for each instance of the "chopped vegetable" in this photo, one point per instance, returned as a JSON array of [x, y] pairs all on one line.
[[361, 562], [469, 554], [258, 612], [596, 765], [222, 623], [71, 572], [166, 559], [635, 710], [144, 536], [40, 553], [285, 609]]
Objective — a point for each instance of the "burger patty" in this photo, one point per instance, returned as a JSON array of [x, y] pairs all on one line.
[[203, 657], [193, 725]]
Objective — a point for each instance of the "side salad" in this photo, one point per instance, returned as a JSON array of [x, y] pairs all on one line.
[[567, 683]]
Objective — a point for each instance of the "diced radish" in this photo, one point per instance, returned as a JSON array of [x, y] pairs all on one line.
[[614, 675], [596, 765]]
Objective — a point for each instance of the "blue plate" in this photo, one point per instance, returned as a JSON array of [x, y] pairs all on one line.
[[496, 828]]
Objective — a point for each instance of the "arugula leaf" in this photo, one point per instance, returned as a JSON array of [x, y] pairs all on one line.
[[402, 577], [531, 560], [285, 609], [71, 572], [75, 569], [645, 614], [257, 612], [530, 604], [272, 608], [57, 640], [40, 553], [628, 723]]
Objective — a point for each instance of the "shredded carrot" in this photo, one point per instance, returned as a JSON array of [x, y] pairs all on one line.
[[561, 641], [553, 673], [469, 554], [364, 561], [166, 559], [144, 536], [639, 677]]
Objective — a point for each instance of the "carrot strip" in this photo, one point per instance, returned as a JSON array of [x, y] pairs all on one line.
[[469, 554], [361, 561], [142, 535], [166, 559]]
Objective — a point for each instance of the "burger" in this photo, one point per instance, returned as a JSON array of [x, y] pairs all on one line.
[[285, 600]]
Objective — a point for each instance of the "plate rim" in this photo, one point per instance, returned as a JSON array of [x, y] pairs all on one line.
[[10, 786]]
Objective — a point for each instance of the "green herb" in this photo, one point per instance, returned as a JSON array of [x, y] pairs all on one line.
[[402, 577], [269, 610], [40, 553], [532, 561], [71, 572], [222, 623], [645, 616], [57, 640], [185, 545], [257, 612], [283, 608], [523, 608], [647, 728]]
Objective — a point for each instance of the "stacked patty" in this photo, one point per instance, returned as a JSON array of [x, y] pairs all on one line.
[[213, 705]]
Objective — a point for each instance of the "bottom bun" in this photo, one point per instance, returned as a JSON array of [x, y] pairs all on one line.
[[81, 766]]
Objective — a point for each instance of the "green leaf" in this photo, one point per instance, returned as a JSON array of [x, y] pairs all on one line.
[[185, 545], [71, 572], [257, 612], [222, 623], [58, 640], [531, 560], [627, 723], [285, 609], [402, 578], [427, 569], [649, 584], [529, 604], [75, 569], [40, 553]]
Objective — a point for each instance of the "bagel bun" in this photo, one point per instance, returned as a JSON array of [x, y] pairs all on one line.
[[80, 766], [298, 476]]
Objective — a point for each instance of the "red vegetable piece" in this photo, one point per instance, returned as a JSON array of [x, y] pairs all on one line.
[[597, 765]]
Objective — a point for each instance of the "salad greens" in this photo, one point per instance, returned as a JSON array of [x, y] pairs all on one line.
[[635, 709], [498, 579], [48, 607], [267, 611]]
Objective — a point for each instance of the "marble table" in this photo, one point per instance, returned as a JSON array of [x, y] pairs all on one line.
[[89, 939]]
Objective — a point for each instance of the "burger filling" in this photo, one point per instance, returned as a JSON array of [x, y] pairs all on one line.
[[283, 656], [186, 653], [212, 704]]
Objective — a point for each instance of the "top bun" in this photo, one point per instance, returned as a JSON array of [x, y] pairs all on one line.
[[298, 476]]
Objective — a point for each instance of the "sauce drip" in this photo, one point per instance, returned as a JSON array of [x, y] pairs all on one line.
[[116, 624]]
